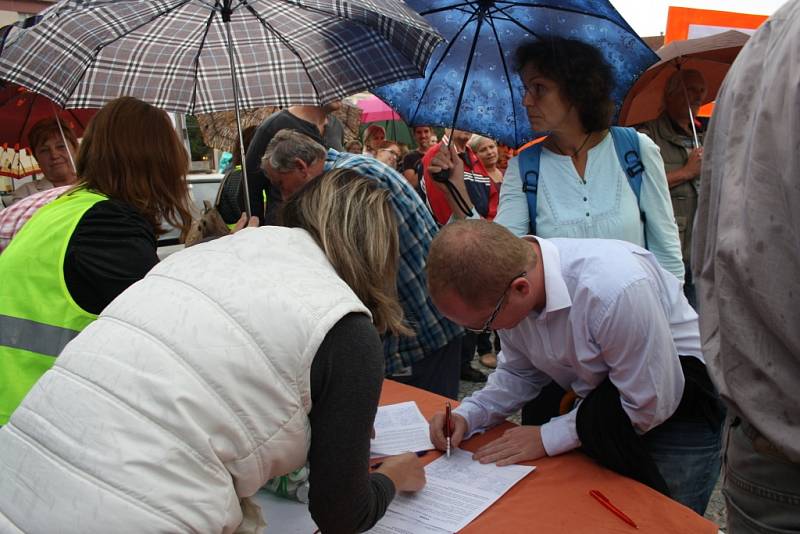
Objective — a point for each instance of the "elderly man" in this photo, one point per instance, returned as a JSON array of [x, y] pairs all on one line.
[[310, 120], [672, 132], [599, 319], [55, 153], [430, 359]]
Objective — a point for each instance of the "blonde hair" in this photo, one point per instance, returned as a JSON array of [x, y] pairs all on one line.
[[350, 218], [476, 259]]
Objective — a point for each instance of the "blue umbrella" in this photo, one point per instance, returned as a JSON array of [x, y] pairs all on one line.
[[470, 81]]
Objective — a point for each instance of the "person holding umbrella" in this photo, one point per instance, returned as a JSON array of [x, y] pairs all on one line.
[[54, 146], [672, 131], [583, 189]]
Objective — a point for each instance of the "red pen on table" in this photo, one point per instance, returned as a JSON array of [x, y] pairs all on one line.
[[602, 499], [447, 428]]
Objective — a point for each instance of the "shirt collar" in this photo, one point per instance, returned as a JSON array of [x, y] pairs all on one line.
[[555, 287]]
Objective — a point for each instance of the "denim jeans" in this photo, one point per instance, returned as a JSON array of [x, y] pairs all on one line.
[[688, 456], [761, 488]]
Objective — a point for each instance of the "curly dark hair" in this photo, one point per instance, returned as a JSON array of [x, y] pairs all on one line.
[[582, 74]]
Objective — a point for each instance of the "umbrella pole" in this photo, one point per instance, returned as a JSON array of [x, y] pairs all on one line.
[[691, 115], [63, 137], [226, 19]]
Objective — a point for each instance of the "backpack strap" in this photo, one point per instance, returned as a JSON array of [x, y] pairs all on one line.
[[626, 143], [529, 174]]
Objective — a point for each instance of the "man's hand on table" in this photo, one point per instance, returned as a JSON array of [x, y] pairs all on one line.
[[405, 471], [518, 444], [459, 428]]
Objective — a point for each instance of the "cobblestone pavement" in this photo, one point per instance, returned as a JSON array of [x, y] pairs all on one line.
[[716, 507]]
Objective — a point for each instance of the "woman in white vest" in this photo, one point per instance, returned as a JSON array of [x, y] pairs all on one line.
[[230, 363]]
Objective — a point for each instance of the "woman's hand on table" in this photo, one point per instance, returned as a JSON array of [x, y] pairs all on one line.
[[458, 429], [405, 471], [518, 444]]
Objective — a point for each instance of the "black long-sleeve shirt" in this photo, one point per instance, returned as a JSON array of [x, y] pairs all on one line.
[[346, 378]]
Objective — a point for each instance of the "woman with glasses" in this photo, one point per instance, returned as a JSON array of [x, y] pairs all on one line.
[[388, 153]]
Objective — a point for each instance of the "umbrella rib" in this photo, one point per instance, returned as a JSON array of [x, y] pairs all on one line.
[[428, 79], [27, 117], [283, 40], [466, 71], [197, 57], [512, 19], [508, 77], [105, 45]]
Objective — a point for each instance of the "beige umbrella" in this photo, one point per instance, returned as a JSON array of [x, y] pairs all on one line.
[[219, 129], [712, 56]]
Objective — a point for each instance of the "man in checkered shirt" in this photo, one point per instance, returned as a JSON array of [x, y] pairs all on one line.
[[431, 359]]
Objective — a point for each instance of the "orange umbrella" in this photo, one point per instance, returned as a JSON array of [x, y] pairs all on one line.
[[712, 56]]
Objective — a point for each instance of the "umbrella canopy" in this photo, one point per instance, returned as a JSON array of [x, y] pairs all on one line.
[[374, 109], [470, 82], [20, 110], [174, 54], [712, 56], [219, 128]]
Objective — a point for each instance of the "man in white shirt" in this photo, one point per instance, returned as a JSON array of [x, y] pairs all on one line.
[[602, 320]]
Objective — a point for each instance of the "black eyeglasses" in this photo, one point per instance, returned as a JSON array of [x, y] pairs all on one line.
[[487, 326]]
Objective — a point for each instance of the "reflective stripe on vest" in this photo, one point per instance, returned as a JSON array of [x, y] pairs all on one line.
[[35, 337], [38, 316]]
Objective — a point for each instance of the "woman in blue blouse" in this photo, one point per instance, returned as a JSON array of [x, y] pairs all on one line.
[[583, 190]]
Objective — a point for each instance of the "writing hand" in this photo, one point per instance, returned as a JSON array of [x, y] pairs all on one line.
[[405, 471], [518, 444], [436, 428]]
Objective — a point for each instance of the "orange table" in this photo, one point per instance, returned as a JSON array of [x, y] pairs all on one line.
[[555, 497]]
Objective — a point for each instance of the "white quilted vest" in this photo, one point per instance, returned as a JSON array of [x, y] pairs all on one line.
[[189, 392]]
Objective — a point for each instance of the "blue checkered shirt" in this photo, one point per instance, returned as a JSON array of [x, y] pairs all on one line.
[[416, 229]]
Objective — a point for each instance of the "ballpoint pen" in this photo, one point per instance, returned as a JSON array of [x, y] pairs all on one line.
[[602, 499], [419, 454], [447, 428]]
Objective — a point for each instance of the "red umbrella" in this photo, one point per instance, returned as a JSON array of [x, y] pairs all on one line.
[[712, 56], [20, 110]]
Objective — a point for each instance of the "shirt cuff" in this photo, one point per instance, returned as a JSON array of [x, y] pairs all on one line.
[[474, 414], [560, 434]]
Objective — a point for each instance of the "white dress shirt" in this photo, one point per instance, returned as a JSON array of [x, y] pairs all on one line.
[[611, 311]]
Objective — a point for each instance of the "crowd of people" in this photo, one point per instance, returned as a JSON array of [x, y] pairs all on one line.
[[127, 382]]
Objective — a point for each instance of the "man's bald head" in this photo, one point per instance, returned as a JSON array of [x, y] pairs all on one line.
[[476, 259]]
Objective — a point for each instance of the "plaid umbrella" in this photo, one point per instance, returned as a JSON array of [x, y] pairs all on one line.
[[199, 56], [174, 54]]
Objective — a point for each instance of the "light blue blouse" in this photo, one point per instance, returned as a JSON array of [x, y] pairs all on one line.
[[602, 206]]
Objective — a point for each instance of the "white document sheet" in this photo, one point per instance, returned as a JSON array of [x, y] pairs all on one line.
[[458, 489], [400, 428], [392, 523]]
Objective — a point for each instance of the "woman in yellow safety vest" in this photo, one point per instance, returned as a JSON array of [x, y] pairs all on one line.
[[77, 253]]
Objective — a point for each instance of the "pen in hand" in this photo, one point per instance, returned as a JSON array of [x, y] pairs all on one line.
[[602, 499], [419, 454], [448, 429]]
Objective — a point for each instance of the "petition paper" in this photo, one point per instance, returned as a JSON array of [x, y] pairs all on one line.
[[400, 428], [458, 489]]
